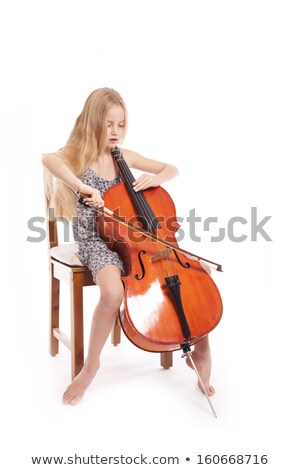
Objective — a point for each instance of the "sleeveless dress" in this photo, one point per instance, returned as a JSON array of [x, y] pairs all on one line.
[[93, 251]]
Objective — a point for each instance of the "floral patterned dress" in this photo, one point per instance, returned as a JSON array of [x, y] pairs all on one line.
[[93, 251]]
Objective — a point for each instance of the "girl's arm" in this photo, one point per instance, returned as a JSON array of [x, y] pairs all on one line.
[[54, 163], [160, 172]]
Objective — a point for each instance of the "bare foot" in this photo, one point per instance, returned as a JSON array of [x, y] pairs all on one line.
[[77, 388], [202, 359]]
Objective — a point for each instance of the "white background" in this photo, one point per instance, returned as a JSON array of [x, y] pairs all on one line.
[[212, 87]]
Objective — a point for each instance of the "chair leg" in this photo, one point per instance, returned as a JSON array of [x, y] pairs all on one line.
[[116, 333], [54, 311], [77, 338], [166, 359]]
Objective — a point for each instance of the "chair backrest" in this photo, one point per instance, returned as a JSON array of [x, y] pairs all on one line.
[[51, 222]]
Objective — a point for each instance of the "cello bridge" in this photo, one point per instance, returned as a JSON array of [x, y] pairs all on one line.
[[161, 254]]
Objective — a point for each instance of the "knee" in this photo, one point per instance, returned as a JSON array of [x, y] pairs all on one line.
[[111, 297]]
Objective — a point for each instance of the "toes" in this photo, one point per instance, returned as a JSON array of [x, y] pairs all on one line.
[[75, 400], [68, 397], [70, 400]]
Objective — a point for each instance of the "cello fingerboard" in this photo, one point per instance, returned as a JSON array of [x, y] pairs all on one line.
[[147, 216]]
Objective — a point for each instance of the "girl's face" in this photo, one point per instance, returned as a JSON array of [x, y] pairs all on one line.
[[115, 122]]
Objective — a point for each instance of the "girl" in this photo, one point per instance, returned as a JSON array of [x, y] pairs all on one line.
[[85, 165]]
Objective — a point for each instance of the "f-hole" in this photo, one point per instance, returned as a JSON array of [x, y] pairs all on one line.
[[139, 278], [185, 265]]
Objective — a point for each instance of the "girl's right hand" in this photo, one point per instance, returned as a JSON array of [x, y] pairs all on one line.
[[92, 196]]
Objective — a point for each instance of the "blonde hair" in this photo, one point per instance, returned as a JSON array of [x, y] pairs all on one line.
[[85, 143]]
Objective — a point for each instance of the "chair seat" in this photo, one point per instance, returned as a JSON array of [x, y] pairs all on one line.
[[67, 254]]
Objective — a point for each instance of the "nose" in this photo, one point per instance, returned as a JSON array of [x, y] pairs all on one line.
[[114, 130]]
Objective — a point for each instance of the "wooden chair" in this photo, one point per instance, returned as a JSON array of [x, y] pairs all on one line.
[[65, 266]]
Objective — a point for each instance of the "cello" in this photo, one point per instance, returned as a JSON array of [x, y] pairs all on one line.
[[170, 301]]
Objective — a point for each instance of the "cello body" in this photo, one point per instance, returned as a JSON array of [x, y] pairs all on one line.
[[169, 299]]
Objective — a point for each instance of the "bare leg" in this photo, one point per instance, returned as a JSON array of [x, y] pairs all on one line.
[[202, 358], [111, 287]]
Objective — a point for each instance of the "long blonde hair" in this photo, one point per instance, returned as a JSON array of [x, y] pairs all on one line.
[[85, 143]]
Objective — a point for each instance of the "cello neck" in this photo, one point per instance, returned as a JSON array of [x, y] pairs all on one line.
[[146, 215]]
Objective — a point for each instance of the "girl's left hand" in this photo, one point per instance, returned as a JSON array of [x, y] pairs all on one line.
[[145, 181]]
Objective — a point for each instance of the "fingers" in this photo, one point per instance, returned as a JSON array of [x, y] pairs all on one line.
[[94, 202], [95, 199], [143, 182]]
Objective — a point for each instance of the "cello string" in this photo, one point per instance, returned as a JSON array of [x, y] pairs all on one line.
[[137, 196], [144, 205], [169, 266], [104, 211], [146, 209], [122, 220]]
